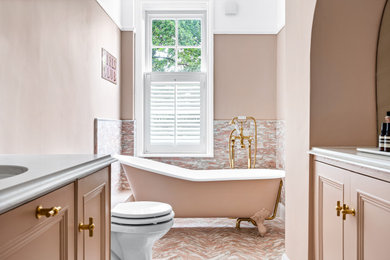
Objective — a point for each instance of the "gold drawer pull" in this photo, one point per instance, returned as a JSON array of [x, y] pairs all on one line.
[[346, 210], [338, 208], [46, 212], [90, 227]]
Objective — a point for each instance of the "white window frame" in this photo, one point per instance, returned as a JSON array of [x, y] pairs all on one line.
[[149, 9]]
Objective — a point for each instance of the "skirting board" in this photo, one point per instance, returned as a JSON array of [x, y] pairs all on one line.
[[285, 257]]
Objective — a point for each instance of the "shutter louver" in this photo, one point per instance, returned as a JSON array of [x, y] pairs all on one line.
[[175, 111], [188, 113], [162, 113]]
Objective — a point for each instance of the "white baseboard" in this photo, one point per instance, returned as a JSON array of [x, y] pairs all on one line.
[[285, 257], [281, 212]]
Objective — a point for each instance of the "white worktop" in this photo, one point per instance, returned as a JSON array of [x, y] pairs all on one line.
[[199, 175], [45, 173], [377, 166]]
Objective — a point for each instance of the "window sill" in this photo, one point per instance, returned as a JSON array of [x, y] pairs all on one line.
[[211, 155]]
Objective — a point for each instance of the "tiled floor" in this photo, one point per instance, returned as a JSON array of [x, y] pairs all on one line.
[[218, 239]]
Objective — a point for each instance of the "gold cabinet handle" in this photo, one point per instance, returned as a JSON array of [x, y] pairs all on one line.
[[46, 212], [338, 208], [90, 227], [346, 210]]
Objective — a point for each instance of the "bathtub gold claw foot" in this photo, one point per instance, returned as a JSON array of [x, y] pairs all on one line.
[[238, 222]]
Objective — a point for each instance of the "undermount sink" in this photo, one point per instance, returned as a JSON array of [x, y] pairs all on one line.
[[7, 171]]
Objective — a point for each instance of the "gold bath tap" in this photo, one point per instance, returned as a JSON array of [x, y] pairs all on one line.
[[238, 134]]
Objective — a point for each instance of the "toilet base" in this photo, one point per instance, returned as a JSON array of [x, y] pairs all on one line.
[[137, 245]]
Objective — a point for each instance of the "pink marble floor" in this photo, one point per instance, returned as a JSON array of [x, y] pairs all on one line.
[[218, 239]]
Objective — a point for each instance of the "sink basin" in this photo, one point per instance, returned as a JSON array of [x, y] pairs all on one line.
[[11, 170]]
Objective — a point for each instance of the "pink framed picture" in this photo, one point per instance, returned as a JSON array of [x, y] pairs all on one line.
[[109, 66]]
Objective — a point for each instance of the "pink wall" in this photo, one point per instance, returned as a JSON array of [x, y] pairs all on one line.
[[281, 85], [50, 84], [127, 74], [299, 17], [244, 76], [343, 61], [383, 67]]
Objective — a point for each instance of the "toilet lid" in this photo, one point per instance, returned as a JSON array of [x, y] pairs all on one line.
[[142, 221], [141, 209]]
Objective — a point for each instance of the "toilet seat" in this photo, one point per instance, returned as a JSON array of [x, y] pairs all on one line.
[[141, 210], [141, 213], [142, 221], [142, 229]]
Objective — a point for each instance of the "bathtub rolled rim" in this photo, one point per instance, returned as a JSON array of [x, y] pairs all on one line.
[[199, 175]]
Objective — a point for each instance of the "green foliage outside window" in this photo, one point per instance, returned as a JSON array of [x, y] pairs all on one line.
[[164, 34], [189, 60], [189, 32], [163, 59]]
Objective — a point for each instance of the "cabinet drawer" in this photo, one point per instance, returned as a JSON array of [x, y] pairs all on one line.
[[24, 236]]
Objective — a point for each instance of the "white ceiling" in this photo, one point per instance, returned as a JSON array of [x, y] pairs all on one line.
[[253, 16]]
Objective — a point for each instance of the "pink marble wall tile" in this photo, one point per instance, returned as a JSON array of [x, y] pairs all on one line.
[[280, 143], [280, 152], [127, 148], [128, 133], [266, 150], [108, 140]]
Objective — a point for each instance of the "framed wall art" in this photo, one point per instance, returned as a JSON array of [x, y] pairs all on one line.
[[109, 67]]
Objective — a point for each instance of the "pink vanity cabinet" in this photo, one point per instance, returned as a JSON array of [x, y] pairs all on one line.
[[365, 232], [58, 235]]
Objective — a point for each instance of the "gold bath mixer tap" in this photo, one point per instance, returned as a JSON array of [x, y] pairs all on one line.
[[238, 134]]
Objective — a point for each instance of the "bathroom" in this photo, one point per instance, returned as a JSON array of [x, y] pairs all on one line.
[[75, 83]]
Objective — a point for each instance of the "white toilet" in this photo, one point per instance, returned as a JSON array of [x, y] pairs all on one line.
[[136, 226]]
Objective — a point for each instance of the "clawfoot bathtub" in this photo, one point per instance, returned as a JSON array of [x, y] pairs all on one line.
[[234, 193]]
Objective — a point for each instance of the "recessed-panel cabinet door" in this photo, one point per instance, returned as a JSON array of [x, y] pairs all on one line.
[[93, 204], [367, 234], [330, 186], [51, 237]]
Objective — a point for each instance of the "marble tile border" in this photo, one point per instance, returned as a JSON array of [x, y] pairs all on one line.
[[268, 150], [107, 140]]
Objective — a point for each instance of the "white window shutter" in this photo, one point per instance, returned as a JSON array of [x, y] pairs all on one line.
[[174, 113]]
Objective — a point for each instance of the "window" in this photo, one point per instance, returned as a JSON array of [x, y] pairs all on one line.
[[175, 84]]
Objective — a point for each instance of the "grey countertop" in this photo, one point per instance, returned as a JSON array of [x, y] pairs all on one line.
[[45, 173], [377, 166]]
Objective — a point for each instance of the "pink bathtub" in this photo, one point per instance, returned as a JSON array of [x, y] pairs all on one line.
[[236, 193]]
